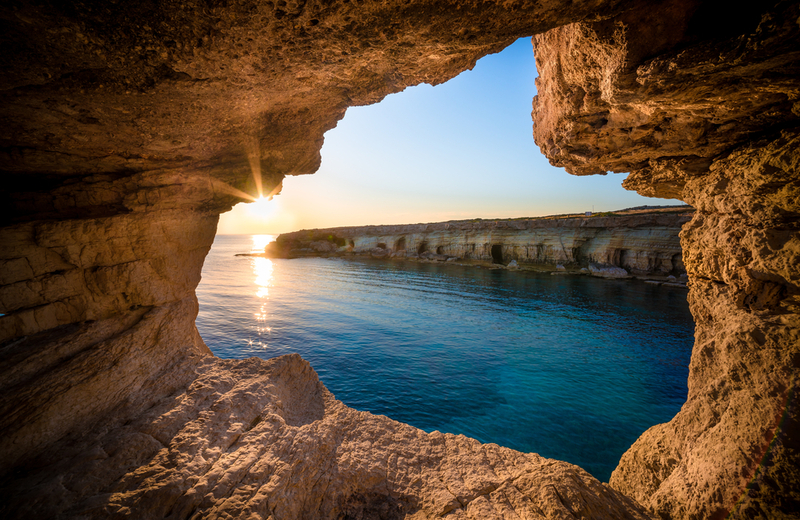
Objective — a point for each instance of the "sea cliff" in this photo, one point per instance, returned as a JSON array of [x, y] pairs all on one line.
[[642, 244]]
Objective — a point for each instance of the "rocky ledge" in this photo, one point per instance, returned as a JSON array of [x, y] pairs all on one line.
[[265, 439], [641, 244]]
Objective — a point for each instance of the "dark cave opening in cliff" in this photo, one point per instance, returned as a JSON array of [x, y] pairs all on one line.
[[497, 254]]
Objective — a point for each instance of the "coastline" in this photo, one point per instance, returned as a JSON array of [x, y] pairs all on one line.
[[638, 243]]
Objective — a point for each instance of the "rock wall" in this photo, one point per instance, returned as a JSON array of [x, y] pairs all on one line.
[[713, 121], [641, 244], [98, 314], [126, 129], [735, 445]]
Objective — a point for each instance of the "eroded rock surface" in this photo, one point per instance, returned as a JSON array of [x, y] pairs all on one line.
[[739, 430], [126, 130], [265, 439], [712, 121]]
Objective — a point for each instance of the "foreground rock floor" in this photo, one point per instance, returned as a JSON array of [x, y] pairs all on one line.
[[265, 439]]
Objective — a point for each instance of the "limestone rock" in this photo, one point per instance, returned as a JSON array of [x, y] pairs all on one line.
[[745, 296], [713, 121], [126, 130], [607, 271], [379, 252], [645, 243], [664, 88], [323, 246], [265, 439]]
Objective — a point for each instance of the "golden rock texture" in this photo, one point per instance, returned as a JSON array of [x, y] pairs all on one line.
[[265, 439], [713, 122], [127, 128], [735, 440]]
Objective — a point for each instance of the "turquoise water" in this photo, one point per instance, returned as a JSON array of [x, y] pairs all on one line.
[[570, 367]]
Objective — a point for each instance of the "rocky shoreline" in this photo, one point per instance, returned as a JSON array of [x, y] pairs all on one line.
[[643, 245]]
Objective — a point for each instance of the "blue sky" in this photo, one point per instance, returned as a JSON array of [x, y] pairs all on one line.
[[463, 149]]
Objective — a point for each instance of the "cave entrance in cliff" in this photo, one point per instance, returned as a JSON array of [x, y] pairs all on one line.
[[677, 265], [624, 258], [497, 254]]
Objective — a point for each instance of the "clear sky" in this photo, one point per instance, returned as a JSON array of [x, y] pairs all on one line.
[[463, 149]]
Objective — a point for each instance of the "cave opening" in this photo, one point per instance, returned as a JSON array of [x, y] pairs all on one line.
[[497, 253], [677, 265], [624, 258], [400, 244], [423, 137], [168, 249], [577, 255]]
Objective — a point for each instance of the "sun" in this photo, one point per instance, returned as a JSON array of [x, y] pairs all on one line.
[[257, 218], [262, 208]]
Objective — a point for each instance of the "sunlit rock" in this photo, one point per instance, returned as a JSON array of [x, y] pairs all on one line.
[[266, 438], [646, 243], [607, 271], [706, 112]]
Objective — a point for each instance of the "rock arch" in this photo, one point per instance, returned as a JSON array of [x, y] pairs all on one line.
[[127, 134]]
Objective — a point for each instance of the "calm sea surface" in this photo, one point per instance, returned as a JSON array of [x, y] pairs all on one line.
[[570, 367]]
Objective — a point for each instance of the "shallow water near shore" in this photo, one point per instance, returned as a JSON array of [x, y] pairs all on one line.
[[570, 367]]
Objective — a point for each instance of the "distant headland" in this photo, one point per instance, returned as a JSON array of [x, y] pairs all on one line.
[[642, 242]]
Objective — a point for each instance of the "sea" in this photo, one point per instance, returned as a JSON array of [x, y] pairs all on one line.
[[570, 367]]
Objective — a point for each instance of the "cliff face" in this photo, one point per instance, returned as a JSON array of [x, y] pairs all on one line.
[[643, 244], [713, 122], [126, 130]]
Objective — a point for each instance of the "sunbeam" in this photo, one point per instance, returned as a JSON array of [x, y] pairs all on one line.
[[254, 156]]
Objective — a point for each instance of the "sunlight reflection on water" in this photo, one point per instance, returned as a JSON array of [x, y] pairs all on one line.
[[263, 271], [262, 268]]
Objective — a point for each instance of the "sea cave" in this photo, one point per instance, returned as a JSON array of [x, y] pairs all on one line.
[[128, 129]]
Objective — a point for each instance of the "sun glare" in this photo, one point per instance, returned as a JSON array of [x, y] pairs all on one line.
[[257, 218], [263, 208], [260, 242]]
